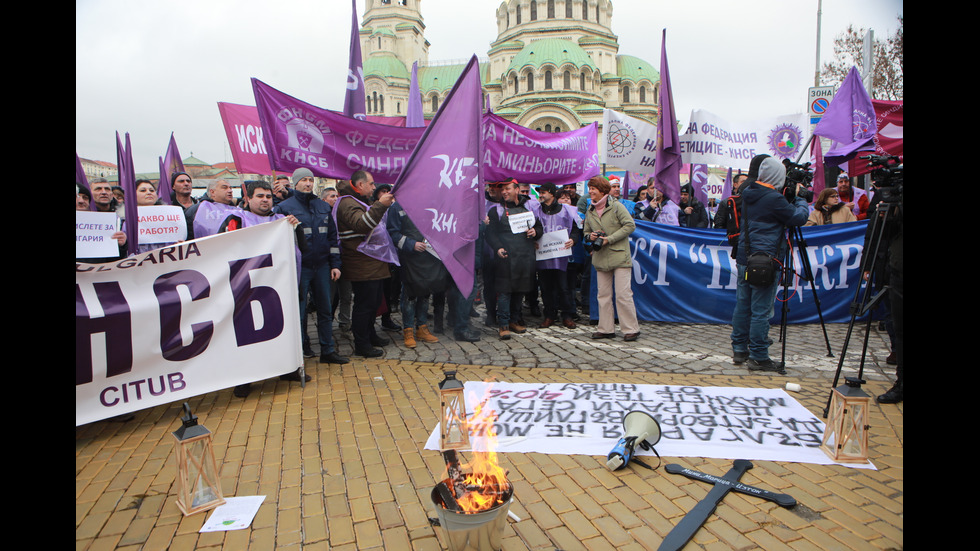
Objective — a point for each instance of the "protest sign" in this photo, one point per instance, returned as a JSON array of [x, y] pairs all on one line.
[[552, 245], [587, 419], [162, 224], [93, 234], [184, 320]]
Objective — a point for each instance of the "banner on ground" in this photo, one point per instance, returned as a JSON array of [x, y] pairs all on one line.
[[688, 275], [536, 156], [587, 419], [185, 320], [710, 139]]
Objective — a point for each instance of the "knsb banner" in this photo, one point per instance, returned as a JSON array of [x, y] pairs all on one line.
[[300, 135], [536, 156], [185, 320], [709, 139], [688, 275]]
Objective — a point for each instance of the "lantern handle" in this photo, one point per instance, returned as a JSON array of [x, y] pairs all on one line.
[[189, 418]]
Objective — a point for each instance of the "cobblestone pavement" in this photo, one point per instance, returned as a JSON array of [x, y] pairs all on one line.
[[341, 461]]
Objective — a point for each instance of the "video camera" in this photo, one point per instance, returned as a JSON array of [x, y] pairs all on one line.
[[797, 174]]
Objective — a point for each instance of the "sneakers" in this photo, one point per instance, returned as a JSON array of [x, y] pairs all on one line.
[[763, 365]]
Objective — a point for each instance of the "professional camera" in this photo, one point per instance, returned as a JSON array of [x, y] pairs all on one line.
[[797, 174], [597, 243], [887, 171]]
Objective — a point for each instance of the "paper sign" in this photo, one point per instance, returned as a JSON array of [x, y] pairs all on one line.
[[520, 223], [552, 245], [235, 514], [162, 224], [93, 234]]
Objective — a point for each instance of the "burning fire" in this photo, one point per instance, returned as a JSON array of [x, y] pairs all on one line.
[[484, 482]]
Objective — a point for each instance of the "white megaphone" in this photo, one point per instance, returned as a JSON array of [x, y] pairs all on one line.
[[639, 428]]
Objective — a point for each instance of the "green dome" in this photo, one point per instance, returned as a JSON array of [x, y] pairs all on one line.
[[441, 78], [635, 69], [385, 65], [553, 51]]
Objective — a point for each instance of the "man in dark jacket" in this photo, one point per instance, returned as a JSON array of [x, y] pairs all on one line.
[[513, 229], [360, 217], [321, 261], [765, 216], [692, 212]]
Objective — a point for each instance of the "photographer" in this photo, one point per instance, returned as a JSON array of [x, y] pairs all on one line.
[[608, 225], [765, 216]]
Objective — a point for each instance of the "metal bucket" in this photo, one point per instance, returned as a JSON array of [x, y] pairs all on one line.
[[481, 531]]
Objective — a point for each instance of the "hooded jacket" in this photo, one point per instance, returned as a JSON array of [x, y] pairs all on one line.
[[766, 213]]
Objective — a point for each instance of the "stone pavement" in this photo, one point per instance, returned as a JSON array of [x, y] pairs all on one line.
[[341, 461]]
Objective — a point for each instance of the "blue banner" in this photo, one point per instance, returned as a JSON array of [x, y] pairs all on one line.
[[687, 275]]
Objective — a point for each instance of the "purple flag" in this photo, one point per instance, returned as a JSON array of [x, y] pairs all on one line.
[[849, 121], [82, 180], [819, 180], [699, 181], [440, 187], [414, 118], [170, 164], [298, 134], [726, 189], [668, 163], [354, 100], [127, 180]]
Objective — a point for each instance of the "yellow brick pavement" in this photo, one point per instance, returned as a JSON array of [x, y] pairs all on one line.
[[341, 465]]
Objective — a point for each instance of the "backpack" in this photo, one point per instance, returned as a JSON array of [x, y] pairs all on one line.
[[733, 227]]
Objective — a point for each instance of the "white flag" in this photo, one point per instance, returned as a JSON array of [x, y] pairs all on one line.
[[630, 143]]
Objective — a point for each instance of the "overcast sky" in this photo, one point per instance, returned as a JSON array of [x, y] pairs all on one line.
[[152, 67]]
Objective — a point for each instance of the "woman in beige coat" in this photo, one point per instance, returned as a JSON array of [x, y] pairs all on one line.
[[608, 226], [829, 210]]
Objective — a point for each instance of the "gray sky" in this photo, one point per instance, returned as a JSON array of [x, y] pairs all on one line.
[[153, 67]]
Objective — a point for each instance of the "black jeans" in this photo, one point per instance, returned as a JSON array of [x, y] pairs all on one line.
[[367, 299]]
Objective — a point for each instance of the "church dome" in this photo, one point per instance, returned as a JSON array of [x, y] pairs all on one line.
[[551, 51], [636, 70], [385, 65]]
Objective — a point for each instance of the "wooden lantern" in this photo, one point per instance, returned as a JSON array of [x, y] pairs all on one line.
[[454, 432], [845, 438], [198, 487]]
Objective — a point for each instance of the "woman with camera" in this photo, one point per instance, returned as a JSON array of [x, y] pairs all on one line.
[[608, 225]]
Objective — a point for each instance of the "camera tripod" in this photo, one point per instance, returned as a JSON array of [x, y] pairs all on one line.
[[865, 299], [796, 240]]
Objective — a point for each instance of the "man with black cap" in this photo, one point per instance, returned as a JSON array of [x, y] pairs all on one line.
[[320, 267], [692, 212], [552, 279], [182, 186], [765, 216]]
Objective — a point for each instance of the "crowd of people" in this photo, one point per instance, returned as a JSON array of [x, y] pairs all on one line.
[[363, 258]]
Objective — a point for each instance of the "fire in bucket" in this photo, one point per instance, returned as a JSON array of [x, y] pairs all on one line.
[[473, 500]]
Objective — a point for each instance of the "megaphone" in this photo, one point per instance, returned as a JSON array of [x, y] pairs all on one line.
[[640, 429]]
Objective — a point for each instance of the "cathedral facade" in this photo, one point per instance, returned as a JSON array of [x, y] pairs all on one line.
[[554, 65]]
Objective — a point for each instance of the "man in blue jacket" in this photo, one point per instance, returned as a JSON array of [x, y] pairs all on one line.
[[765, 216], [321, 261]]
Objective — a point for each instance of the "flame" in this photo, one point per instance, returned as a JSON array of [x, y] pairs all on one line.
[[485, 479]]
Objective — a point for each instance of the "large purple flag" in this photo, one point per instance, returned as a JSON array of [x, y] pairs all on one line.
[[127, 180], [300, 135], [669, 163], [440, 187], [354, 100], [170, 164], [415, 118], [849, 121]]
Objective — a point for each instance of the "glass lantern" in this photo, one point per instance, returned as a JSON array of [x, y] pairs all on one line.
[[454, 432], [198, 486], [845, 439]]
